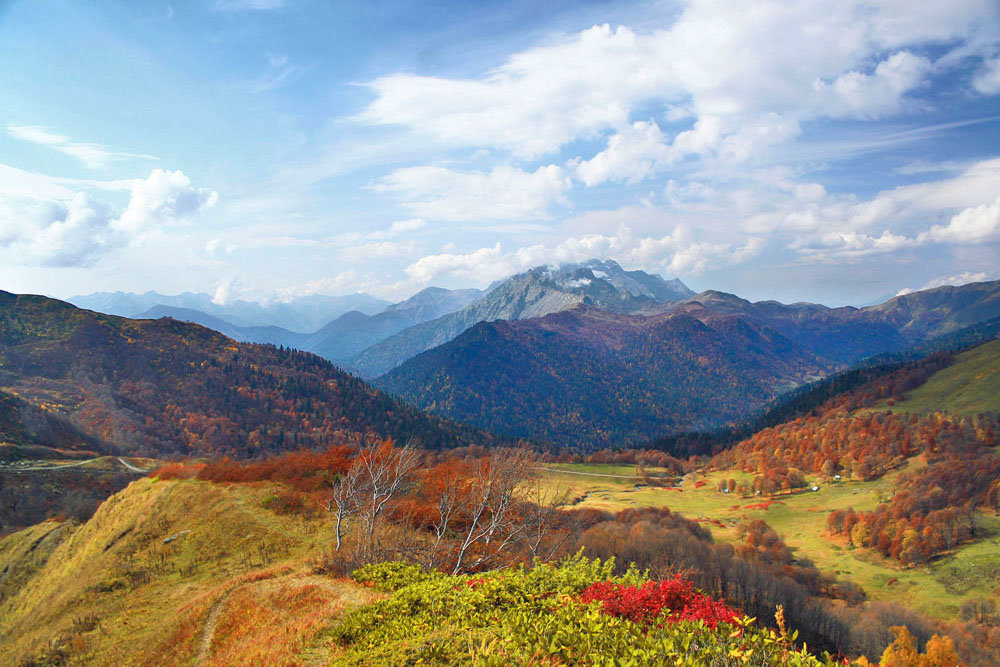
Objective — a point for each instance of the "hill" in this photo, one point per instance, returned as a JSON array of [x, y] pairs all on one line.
[[169, 573], [586, 377], [167, 388], [969, 386], [535, 293]]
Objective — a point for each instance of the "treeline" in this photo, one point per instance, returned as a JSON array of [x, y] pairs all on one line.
[[932, 511]]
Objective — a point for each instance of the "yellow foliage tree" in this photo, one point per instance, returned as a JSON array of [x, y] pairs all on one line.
[[940, 651]]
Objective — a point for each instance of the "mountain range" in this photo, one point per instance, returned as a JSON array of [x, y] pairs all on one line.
[[302, 314], [344, 336], [593, 378], [540, 291]]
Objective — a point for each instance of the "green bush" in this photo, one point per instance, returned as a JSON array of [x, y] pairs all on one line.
[[534, 616]]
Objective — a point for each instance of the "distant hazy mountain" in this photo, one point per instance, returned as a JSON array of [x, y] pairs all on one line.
[[305, 314], [343, 337], [543, 290], [594, 378], [352, 332], [272, 335]]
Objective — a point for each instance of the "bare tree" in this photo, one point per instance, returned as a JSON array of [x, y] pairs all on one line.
[[384, 471], [541, 517], [493, 519], [343, 497]]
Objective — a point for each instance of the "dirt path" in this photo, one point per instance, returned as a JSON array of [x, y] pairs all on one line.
[[57, 467], [74, 465], [130, 466], [588, 474], [208, 630]]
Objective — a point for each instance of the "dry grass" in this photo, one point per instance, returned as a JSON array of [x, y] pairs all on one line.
[[113, 592]]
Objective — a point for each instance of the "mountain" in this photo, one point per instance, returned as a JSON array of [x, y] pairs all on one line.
[[170, 388], [352, 332], [345, 336], [534, 293], [597, 378], [304, 314], [271, 335], [847, 335], [586, 377]]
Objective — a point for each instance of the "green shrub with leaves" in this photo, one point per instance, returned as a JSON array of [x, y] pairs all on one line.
[[535, 616]]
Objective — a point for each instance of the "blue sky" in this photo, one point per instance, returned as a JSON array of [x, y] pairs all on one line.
[[835, 151]]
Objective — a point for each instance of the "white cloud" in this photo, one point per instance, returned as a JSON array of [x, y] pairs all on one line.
[[972, 225], [960, 279], [674, 253], [725, 64], [633, 154], [164, 197], [881, 93], [397, 228], [69, 228], [987, 80], [94, 156], [505, 193]]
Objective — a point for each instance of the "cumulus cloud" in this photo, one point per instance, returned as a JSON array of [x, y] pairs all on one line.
[[505, 193], [94, 156], [633, 154], [874, 95], [972, 225], [987, 80], [715, 70], [163, 197], [674, 253], [76, 229]]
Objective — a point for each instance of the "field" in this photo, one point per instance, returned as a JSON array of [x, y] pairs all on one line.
[[969, 386], [800, 518]]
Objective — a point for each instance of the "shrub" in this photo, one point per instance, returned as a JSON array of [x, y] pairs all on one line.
[[551, 614]]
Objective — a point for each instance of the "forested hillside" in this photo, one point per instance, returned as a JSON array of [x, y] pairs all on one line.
[[586, 378], [168, 388]]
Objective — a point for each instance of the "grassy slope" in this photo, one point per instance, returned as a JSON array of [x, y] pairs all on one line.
[[254, 561], [969, 386], [800, 518]]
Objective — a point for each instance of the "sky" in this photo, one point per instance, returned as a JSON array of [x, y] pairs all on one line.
[[837, 151]]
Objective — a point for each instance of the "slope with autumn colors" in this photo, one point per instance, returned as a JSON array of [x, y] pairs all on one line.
[[592, 378], [586, 377], [167, 388]]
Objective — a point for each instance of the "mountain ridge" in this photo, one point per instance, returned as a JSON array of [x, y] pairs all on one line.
[[534, 293]]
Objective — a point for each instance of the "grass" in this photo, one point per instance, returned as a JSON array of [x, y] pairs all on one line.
[[969, 386], [112, 591], [800, 518]]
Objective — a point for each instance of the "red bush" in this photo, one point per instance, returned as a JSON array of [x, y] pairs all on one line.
[[670, 600]]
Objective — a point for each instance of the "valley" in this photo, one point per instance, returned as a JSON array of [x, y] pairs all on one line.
[[855, 502]]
